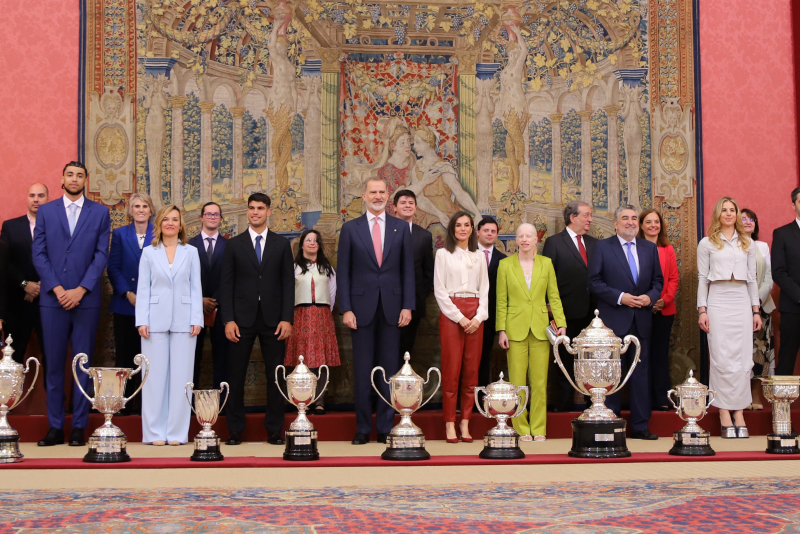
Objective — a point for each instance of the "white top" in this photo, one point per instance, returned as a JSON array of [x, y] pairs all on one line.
[[253, 236], [481, 249], [79, 203], [731, 261], [141, 237], [32, 222], [763, 248], [764, 276], [381, 223], [460, 272], [324, 286], [214, 237], [797, 221]]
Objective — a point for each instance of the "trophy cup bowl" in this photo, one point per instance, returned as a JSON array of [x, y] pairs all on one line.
[[301, 386], [781, 392], [501, 401], [598, 432], [206, 408], [12, 381], [692, 404], [107, 443], [406, 440]]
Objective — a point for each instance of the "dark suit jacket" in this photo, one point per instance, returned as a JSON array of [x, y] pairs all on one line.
[[244, 281], [123, 265], [571, 273], [211, 273], [610, 275], [423, 267], [16, 234], [360, 281], [71, 261], [786, 266], [494, 263]]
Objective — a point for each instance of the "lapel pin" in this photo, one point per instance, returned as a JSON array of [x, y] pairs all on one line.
[[395, 229]]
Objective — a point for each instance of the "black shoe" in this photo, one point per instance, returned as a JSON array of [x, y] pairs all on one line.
[[76, 438], [275, 439], [360, 439], [644, 434], [382, 438], [234, 439], [54, 436]]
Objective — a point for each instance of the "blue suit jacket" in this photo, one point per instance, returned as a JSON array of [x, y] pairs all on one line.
[[169, 300], [71, 261], [210, 272], [123, 265], [360, 281], [610, 275]]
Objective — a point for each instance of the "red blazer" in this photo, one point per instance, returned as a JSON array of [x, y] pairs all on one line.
[[669, 268]]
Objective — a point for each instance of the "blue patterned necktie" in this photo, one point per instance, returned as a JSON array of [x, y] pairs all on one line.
[[632, 263], [258, 249], [73, 218]]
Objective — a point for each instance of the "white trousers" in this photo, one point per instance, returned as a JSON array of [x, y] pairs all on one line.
[[166, 413]]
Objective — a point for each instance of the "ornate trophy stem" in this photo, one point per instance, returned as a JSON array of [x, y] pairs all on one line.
[[781, 391], [12, 381], [206, 409]]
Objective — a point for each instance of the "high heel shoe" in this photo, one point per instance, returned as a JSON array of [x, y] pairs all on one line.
[[742, 432], [451, 440], [466, 440], [727, 432]]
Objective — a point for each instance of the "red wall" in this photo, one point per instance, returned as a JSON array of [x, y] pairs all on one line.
[[748, 105], [39, 99]]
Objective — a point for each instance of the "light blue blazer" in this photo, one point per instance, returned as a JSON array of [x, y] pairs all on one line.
[[169, 300]]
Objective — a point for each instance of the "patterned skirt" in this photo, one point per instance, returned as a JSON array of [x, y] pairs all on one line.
[[313, 337]]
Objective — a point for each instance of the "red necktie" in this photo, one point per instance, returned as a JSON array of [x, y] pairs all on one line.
[[376, 242], [582, 250]]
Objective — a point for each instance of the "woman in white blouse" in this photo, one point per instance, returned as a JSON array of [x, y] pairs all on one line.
[[728, 309], [461, 288]]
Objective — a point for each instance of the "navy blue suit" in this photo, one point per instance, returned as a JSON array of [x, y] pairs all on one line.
[[69, 262], [609, 276], [376, 295]]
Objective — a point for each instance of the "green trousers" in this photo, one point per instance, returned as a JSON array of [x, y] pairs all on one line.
[[528, 362]]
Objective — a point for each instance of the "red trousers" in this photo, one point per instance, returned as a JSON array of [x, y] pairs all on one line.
[[461, 356]]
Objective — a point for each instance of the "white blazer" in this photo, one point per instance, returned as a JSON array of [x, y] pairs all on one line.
[[169, 300]]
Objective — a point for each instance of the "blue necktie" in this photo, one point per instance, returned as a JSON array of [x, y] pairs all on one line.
[[632, 263], [258, 249], [73, 218]]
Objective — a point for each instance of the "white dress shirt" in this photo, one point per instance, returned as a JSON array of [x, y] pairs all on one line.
[[797, 221], [32, 222], [79, 203], [140, 238], [461, 272], [253, 236], [214, 237], [625, 253], [481, 249], [381, 223], [729, 262]]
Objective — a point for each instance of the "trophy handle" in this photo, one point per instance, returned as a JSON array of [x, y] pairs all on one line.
[[565, 340], [282, 368], [35, 376], [477, 390], [669, 398], [82, 358], [372, 379], [142, 361], [327, 381], [628, 340], [713, 395], [228, 394], [522, 405], [186, 388], [427, 378]]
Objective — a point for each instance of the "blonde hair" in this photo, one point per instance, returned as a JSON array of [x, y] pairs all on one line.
[[426, 134], [715, 228], [398, 132], [139, 196], [160, 216]]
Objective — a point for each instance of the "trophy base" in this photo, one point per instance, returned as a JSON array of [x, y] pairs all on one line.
[[301, 446], [599, 439], [107, 450], [9, 450], [691, 444], [206, 450], [405, 448], [778, 444], [501, 448]]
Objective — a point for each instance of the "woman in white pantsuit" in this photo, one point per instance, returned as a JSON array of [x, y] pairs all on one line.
[[728, 309], [169, 315]]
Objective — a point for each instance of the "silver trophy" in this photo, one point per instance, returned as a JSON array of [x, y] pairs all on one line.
[[107, 444], [598, 432], [406, 440], [691, 440], [301, 386], [206, 408], [781, 391], [501, 401], [12, 380]]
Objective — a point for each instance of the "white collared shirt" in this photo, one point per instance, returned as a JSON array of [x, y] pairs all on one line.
[[253, 236], [726, 263], [797, 221], [624, 245], [214, 237], [141, 237], [79, 203], [459, 272], [31, 223], [481, 249], [381, 224], [574, 238]]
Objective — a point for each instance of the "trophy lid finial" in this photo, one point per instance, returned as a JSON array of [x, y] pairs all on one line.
[[501, 376], [7, 350], [406, 369], [407, 356]]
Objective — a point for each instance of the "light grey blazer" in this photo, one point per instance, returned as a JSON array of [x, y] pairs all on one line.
[[169, 300]]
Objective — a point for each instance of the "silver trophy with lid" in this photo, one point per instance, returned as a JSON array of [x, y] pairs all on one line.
[[781, 392], [691, 440], [301, 386], [12, 381], [502, 401]]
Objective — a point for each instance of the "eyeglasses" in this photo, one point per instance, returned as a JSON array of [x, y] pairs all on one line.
[[310, 241], [747, 220], [212, 215]]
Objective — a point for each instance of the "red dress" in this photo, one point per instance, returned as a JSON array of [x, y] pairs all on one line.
[[313, 333]]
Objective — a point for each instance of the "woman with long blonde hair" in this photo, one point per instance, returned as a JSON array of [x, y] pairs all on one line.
[[728, 309]]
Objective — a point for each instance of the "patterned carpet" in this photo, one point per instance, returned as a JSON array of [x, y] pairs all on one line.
[[705, 506]]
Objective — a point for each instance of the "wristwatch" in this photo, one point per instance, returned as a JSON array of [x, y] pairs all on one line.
[[23, 284]]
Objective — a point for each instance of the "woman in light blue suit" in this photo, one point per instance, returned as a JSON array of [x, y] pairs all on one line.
[[169, 315]]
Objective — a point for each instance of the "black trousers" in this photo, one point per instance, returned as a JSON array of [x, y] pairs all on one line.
[[219, 352], [564, 391], [128, 344], [790, 343], [374, 344], [408, 336], [638, 385], [272, 351], [660, 381], [484, 369], [24, 320]]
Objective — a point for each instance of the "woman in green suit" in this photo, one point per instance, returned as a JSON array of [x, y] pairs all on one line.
[[523, 282]]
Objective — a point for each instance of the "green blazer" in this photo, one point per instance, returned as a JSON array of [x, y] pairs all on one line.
[[520, 310]]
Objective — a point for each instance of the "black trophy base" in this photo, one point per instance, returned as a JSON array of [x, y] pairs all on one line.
[[599, 439], [107, 450], [777, 444], [691, 444], [118, 457], [301, 446], [405, 455], [9, 450], [210, 454], [502, 447]]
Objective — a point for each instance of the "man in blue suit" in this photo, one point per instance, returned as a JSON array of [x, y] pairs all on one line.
[[376, 292], [625, 275], [210, 244], [70, 251]]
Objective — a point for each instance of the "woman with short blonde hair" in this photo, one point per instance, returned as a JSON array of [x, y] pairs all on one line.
[[142, 197], [158, 231]]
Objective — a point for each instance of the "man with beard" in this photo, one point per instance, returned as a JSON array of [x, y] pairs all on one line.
[[70, 252]]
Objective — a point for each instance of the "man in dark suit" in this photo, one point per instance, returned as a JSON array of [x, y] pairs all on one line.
[[405, 206], [571, 251], [70, 253], [256, 300], [211, 245], [375, 280], [786, 273], [487, 236], [625, 276], [23, 280]]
